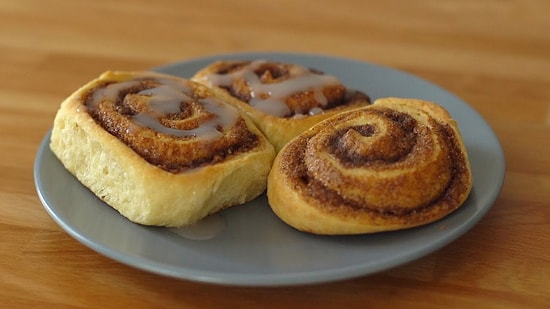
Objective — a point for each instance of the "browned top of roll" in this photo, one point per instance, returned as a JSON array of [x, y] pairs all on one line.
[[281, 89], [392, 163], [171, 122]]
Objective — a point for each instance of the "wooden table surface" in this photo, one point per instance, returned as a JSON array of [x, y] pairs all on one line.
[[493, 54]]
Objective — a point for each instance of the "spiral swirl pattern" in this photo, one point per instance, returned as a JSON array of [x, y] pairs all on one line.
[[394, 164], [173, 123], [280, 89]]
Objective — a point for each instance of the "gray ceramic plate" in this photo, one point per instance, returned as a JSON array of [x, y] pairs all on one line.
[[248, 244]]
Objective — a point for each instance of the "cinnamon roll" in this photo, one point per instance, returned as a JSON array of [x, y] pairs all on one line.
[[283, 99], [396, 164], [161, 150]]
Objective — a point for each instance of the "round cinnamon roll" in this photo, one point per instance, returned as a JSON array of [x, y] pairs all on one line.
[[161, 150], [396, 164], [283, 99]]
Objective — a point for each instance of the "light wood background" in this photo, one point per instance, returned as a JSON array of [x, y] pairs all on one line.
[[493, 54]]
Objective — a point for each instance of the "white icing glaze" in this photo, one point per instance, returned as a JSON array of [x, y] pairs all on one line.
[[315, 111], [166, 99], [169, 97], [270, 98], [205, 229]]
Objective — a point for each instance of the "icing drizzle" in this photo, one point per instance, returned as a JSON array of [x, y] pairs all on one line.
[[168, 97], [271, 85], [172, 123]]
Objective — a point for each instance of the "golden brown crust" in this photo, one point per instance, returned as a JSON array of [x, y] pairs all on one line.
[[396, 164], [283, 99], [160, 149]]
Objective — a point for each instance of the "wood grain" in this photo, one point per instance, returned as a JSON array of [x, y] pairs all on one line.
[[493, 54]]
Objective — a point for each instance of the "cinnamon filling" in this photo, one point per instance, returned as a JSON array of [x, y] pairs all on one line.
[[346, 143], [170, 123], [312, 182], [283, 90]]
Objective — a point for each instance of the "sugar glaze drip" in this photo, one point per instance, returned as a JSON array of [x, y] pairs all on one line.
[[175, 124], [205, 229], [168, 97], [271, 98]]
